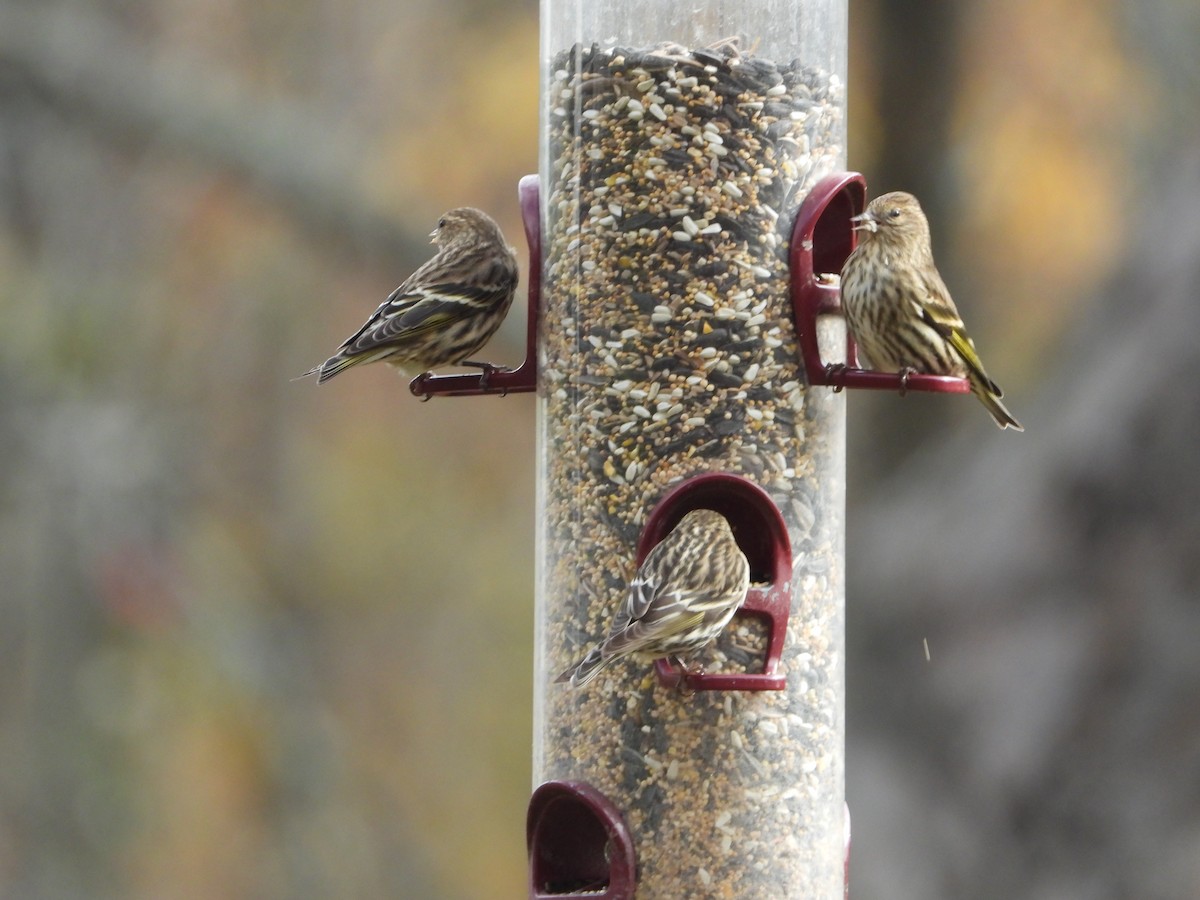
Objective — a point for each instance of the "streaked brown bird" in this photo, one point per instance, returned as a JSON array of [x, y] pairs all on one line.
[[684, 593], [898, 307], [447, 309]]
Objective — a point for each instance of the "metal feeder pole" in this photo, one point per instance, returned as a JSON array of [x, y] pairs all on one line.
[[678, 142]]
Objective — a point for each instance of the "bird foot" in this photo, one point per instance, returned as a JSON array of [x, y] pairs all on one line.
[[489, 369], [420, 386], [904, 374], [834, 374], [689, 670]]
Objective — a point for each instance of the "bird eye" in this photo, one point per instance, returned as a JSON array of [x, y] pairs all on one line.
[[894, 213], [442, 222]]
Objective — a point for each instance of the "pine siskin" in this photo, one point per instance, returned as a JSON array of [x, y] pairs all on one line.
[[446, 310], [684, 593], [898, 307]]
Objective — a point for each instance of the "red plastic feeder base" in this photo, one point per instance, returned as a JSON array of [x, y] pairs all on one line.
[[579, 845]]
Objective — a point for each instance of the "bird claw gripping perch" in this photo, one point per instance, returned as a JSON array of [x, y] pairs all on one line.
[[835, 373], [500, 379], [489, 370], [822, 238], [417, 386]]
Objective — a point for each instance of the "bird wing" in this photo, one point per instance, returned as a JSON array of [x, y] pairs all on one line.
[[966, 349], [650, 614], [445, 303], [939, 313], [656, 605], [651, 589], [410, 311], [378, 329], [429, 299]]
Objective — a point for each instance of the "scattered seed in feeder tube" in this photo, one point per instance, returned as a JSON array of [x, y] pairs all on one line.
[[650, 270]]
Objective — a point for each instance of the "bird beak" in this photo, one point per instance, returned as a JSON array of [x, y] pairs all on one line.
[[433, 236], [865, 222]]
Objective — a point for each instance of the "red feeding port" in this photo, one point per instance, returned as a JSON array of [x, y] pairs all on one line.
[[822, 239], [759, 530], [579, 845], [522, 379]]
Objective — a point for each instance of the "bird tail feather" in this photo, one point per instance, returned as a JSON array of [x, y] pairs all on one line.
[[991, 402], [587, 669]]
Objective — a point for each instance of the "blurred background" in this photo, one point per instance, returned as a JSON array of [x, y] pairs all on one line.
[[259, 639]]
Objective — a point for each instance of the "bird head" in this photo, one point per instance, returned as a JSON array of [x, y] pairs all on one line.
[[465, 225], [896, 216]]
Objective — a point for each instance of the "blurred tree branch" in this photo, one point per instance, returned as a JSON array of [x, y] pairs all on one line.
[[918, 50], [76, 59]]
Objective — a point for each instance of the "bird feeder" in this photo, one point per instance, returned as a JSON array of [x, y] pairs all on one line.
[[678, 143]]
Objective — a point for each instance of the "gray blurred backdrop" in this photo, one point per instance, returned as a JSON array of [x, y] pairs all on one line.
[[264, 640]]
